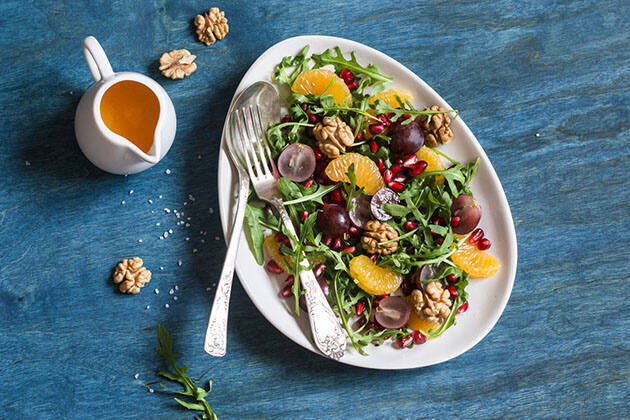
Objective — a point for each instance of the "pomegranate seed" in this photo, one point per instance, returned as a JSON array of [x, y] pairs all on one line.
[[350, 249], [335, 196], [483, 244], [398, 187], [286, 118], [353, 231], [282, 238], [418, 168], [327, 241], [308, 183], [318, 270], [453, 291], [359, 308], [373, 257], [286, 292], [409, 226], [289, 281], [386, 122], [387, 176], [353, 85], [405, 341], [439, 241], [373, 146], [318, 153], [381, 165], [304, 214], [346, 74], [304, 107], [463, 308], [268, 210], [399, 178], [418, 338], [395, 169], [404, 117], [273, 267], [376, 128], [336, 244], [475, 236], [451, 278], [411, 161], [455, 221], [346, 236], [312, 118], [359, 136], [437, 220]]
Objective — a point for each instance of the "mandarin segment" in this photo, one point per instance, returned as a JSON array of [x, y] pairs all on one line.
[[318, 81], [365, 170], [273, 250], [433, 160], [475, 262], [389, 97], [372, 278]]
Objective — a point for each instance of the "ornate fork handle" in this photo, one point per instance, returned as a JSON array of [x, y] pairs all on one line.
[[327, 333], [215, 343]]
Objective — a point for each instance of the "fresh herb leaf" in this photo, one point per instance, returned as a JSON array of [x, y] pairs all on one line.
[[299, 64], [191, 390], [340, 62], [254, 232]]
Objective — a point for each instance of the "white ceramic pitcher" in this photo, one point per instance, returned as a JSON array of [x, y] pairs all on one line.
[[104, 148]]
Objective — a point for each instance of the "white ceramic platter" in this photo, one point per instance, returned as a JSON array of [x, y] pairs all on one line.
[[487, 297]]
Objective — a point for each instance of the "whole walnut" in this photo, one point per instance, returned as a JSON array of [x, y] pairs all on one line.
[[377, 232], [432, 304], [438, 129], [333, 136], [131, 275]]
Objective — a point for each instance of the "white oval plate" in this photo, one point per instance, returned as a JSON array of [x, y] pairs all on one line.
[[487, 297]]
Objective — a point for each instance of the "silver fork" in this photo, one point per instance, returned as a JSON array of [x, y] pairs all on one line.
[[327, 333]]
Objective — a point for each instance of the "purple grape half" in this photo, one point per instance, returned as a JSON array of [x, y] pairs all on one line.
[[383, 196], [392, 312], [361, 213]]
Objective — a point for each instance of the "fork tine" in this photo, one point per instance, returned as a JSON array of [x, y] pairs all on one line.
[[240, 124], [251, 139], [256, 126], [263, 136]]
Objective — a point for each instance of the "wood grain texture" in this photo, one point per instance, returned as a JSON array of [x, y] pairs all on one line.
[[70, 344]]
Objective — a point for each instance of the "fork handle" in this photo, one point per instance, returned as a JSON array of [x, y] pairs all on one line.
[[329, 338], [215, 343]]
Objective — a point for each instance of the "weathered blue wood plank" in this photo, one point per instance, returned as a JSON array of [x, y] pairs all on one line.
[[544, 85]]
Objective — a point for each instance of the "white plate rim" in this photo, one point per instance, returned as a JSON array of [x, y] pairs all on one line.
[[509, 264]]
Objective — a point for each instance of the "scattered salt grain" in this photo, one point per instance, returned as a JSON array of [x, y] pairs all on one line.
[[152, 211], [160, 196], [537, 134], [191, 197], [170, 231], [165, 234], [136, 376], [210, 210], [174, 297], [194, 250], [140, 240], [179, 263], [161, 268], [157, 291], [150, 201], [167, 210], [187, 224], [27, 163], [176, 288], [130, 191], [199, 157], [167, 172], [203, 241], [147, 307], [188, 239], [166, 305], [157, 224], [170, 292], [216, 238], [122, 202], [185, 203], [151, 390], [162, 237], [208, 289], [188, 218]]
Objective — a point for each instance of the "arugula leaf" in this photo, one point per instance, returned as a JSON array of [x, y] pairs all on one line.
[[351, 188], [299, 62], [191, 390], [382, 107], [254, 232], [340, 62]]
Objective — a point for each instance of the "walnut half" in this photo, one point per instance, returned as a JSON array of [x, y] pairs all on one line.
[[212, 25], [377, 232], [432, 304], [333, 136], [177, 64], [131, 275], [438, 129]]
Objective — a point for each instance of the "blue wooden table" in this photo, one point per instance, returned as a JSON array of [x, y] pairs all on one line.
[[544, 85]]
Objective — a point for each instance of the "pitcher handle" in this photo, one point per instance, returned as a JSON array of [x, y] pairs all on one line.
[[96, 59]]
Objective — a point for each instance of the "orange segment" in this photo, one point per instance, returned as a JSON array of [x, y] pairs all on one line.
[[367, 173], [420, 324], [273, 249], [475, 262], [433, 160], [316, 81], [389, 97], [372, 278]]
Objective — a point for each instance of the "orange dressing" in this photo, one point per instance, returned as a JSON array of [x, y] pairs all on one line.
[[131, 110]]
